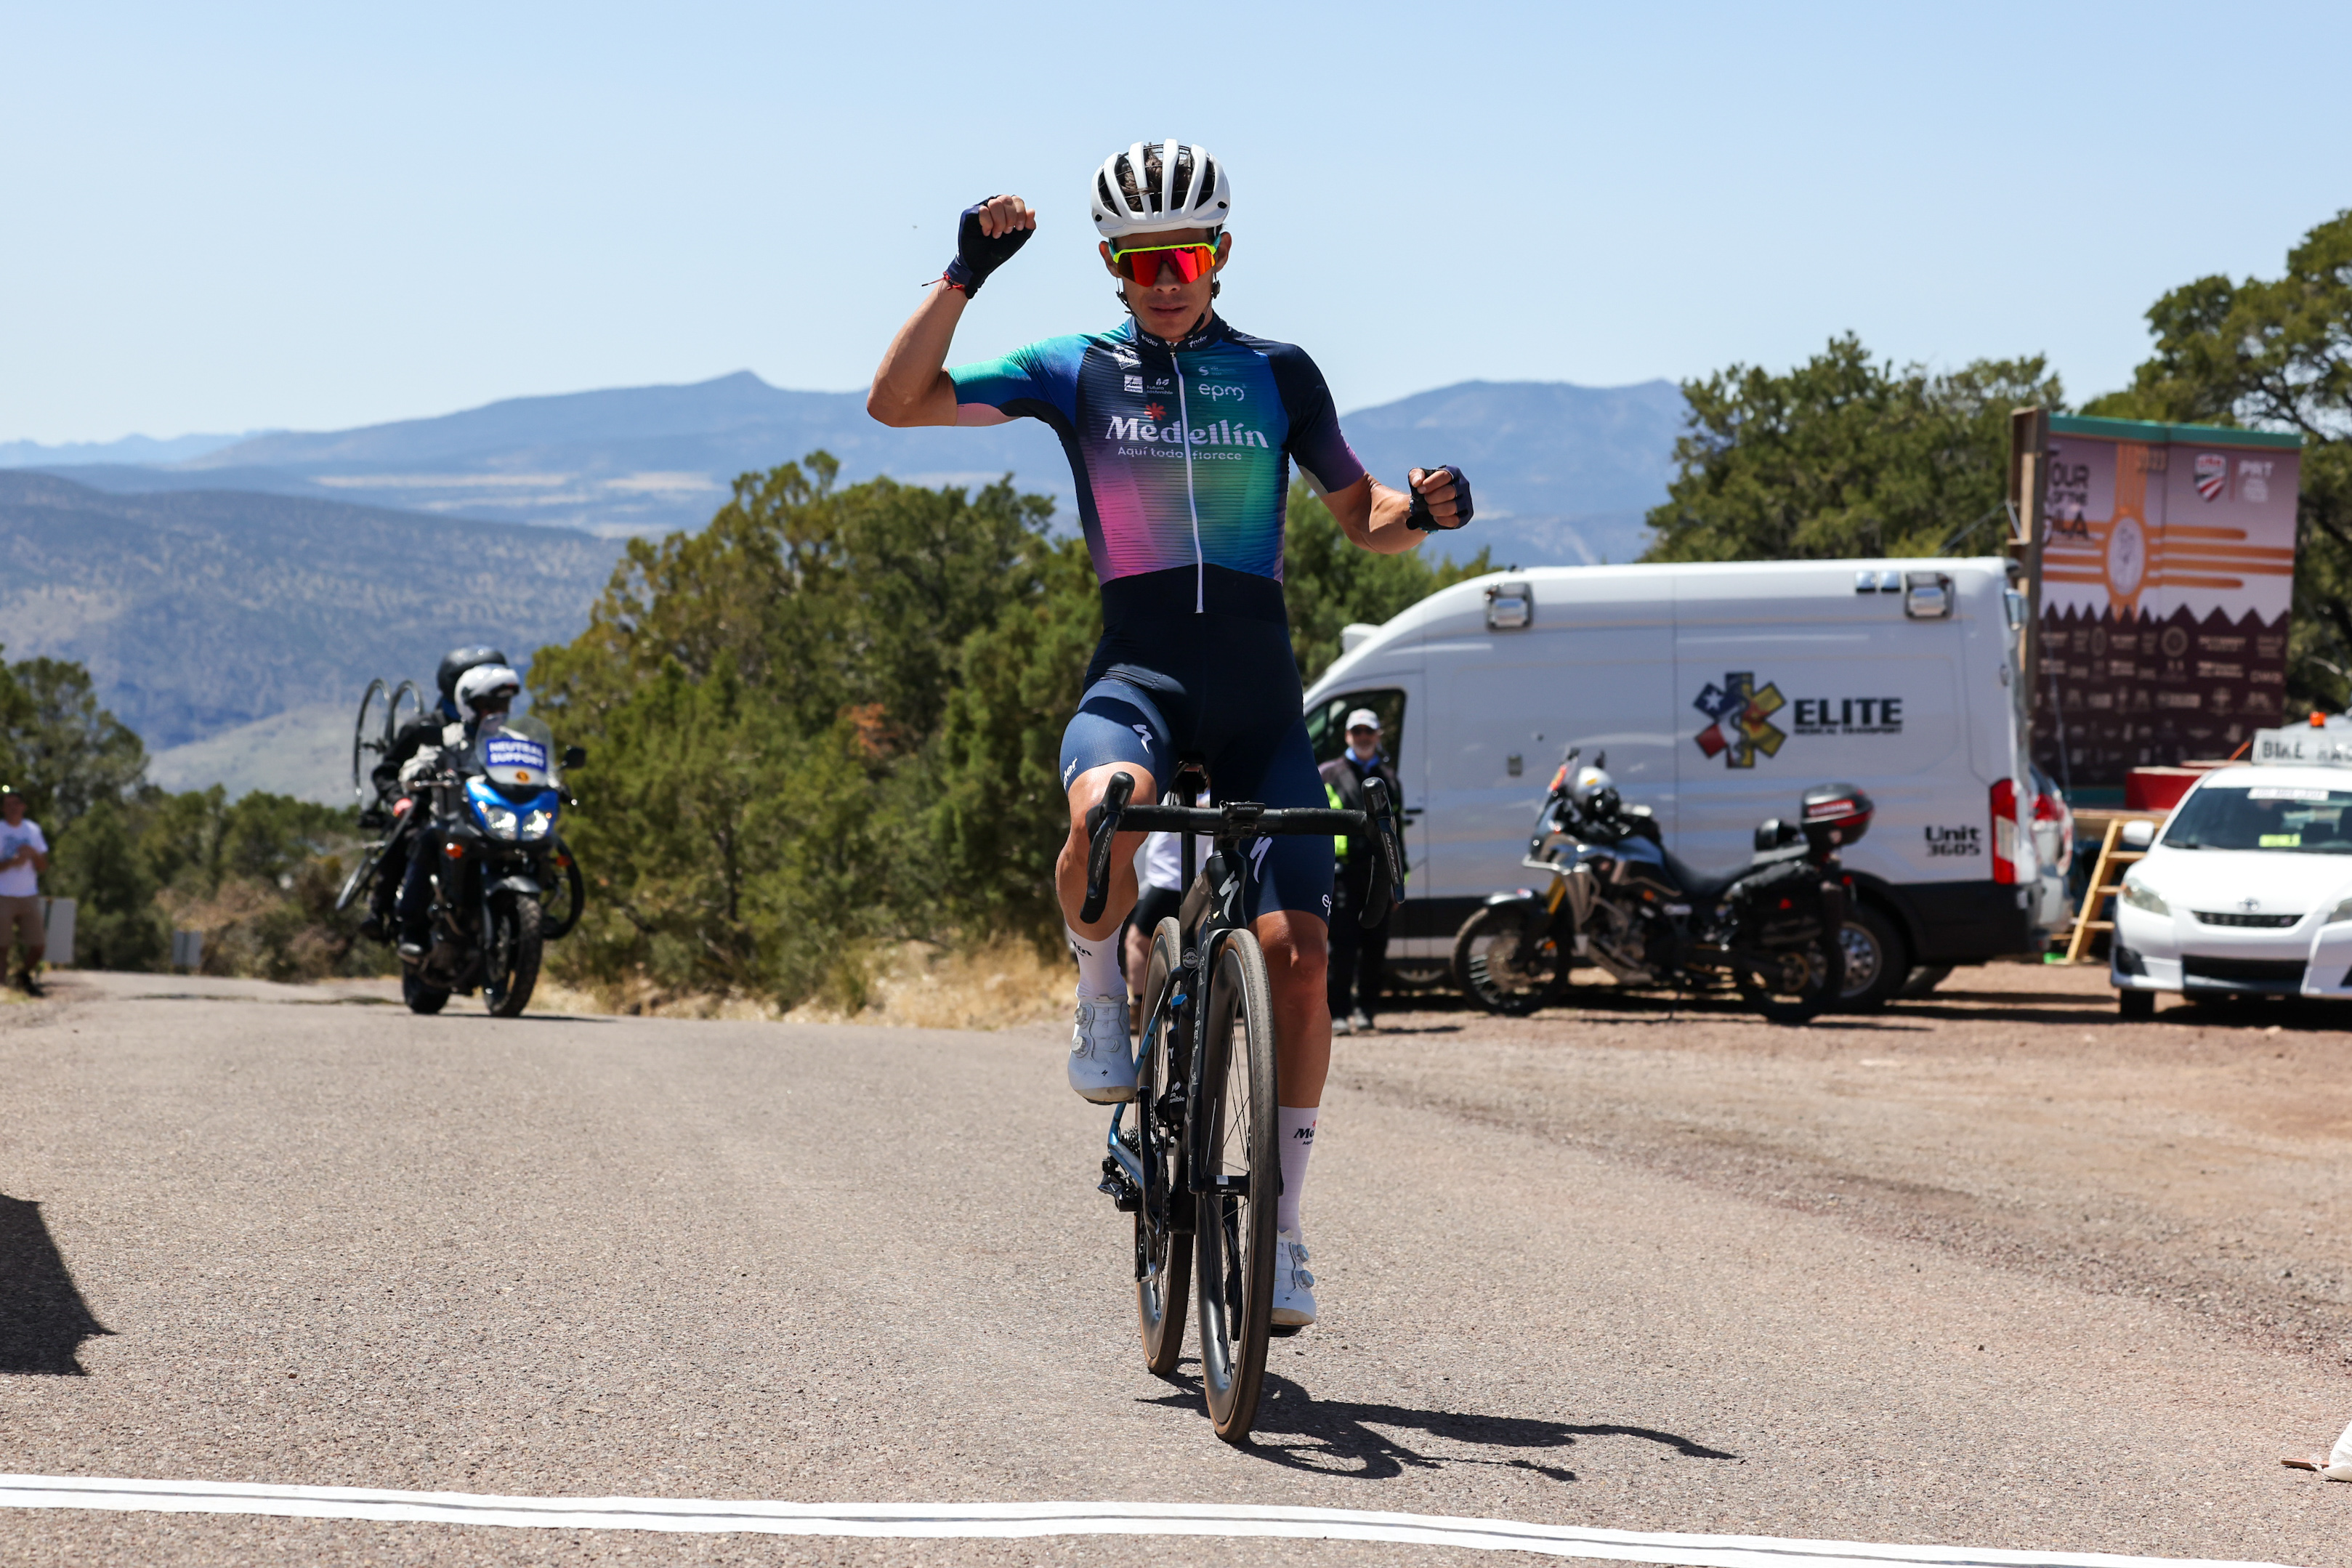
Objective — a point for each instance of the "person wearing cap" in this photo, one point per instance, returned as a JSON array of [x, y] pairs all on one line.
[[1357, 954], [23, 855]]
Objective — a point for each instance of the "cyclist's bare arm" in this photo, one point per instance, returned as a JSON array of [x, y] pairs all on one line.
[[912, 386], [1373, 515]]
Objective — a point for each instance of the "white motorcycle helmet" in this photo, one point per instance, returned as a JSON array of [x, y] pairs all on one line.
[[1593, 792], [484, 680], [1160, 184]]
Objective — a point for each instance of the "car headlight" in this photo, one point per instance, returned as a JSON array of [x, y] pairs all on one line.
[[2342, 911], [535, 824], [2140, 896], [500, 820]]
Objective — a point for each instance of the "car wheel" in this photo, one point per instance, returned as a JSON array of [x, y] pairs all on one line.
[[1876, 963], [2136, 1003], [1923, 981]]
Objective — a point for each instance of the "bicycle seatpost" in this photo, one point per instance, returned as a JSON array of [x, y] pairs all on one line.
[[1385, 889], [1102, 827]]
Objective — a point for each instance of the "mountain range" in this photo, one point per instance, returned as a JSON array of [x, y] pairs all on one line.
[[232, 595], [202, 612], [1562, 473]]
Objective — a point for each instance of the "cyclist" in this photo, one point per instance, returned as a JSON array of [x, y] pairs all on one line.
[[1181, 433]]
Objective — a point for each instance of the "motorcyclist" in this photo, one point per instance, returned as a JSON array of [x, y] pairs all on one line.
[[416, 749], [481, 693]]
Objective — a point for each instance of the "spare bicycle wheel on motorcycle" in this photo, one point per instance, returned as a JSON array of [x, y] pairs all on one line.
[[1509, 958]]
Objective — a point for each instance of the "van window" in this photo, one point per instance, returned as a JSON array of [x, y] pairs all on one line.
[[1326, 723]]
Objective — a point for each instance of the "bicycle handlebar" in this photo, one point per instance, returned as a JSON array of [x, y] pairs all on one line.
[[1114, 815]]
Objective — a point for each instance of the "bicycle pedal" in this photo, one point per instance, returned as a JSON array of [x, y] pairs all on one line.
[[1124, 1195]]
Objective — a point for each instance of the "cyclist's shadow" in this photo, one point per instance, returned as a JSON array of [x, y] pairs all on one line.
[[1349, 1437]]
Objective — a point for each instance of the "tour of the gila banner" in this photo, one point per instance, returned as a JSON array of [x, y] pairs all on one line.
[[2168, 574]]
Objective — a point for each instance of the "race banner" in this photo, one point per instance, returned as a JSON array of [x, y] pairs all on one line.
[[2168, 572]]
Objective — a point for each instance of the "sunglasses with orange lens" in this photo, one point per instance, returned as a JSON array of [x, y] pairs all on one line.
[[1143, 265]]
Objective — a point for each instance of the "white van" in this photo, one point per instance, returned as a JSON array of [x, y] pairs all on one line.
[[1719, 691]]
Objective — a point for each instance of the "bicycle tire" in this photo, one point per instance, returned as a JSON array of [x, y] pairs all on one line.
[[1163, 1263], [362, 875], [1508, 960], [367, 738], [1232, 1241]]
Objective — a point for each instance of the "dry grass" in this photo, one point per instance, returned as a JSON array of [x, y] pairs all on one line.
[[999, 985]]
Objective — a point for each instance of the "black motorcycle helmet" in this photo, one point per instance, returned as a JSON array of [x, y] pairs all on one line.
[[458, 661]]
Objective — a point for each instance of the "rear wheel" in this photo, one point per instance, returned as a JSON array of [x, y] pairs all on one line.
[[1233, 1250], [1923, 980], [1509, 959], [421, 997], [1163, 1262], [1791, 985], [510, 954]]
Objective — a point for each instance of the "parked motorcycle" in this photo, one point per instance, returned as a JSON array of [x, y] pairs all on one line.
[[1623, 903]]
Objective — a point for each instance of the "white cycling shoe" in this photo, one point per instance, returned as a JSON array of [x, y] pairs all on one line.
[[1293, 1288], [1102, 1063]]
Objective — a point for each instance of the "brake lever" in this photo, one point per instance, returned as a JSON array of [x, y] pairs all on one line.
[[1102, 827]]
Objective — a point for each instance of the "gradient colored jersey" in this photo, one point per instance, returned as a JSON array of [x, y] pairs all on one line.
[[1182, 452]]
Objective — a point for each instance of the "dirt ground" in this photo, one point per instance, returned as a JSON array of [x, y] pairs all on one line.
[[2204, 1158]]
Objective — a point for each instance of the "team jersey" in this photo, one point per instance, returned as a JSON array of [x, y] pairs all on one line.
[[1182, 452]]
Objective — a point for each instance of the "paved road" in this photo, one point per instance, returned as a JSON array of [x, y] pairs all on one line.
[[327, 1243]]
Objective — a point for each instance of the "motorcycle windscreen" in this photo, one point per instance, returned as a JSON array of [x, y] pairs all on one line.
[[517, 751]]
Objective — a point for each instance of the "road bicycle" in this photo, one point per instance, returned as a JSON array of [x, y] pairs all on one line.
[[1199, 1163]]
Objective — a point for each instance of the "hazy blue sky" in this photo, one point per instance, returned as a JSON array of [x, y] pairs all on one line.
[[226, 216]]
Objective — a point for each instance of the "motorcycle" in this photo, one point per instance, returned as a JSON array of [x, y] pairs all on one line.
[[1620, 902], [497, 863]]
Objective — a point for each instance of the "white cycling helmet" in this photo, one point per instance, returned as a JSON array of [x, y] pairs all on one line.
[[1160, 184], [483, 680]]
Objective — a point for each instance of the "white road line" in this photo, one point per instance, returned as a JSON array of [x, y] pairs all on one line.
[[1002, 1519]]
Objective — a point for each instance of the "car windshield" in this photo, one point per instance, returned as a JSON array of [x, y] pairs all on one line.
[[2299, 818]]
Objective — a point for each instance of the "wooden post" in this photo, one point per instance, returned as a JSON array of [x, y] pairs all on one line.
[[2028, 449]]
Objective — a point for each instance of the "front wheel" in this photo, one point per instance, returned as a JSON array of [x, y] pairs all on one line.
[[1163, 1262], [1238, 1160], [1509, 959], [510, 954], [421, 997], [1791, 985], [1875, 962], [2136, 1004]]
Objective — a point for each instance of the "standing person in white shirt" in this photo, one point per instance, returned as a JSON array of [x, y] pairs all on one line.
[[1160, 871], [23, 855]]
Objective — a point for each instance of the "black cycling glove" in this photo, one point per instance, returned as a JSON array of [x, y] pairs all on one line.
[[1420, 517], [976, 254]]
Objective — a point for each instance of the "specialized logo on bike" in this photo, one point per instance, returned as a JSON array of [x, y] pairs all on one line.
[[514, 752], [1743, 720]]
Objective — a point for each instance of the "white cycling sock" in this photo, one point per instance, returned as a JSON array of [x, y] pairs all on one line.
[[1298, 1133], [1097, 959], [2339, 1462]]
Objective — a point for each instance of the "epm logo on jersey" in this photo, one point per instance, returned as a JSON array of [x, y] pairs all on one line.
[[1743, 720]]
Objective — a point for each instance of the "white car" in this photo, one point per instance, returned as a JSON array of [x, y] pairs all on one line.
[[2246, 891]]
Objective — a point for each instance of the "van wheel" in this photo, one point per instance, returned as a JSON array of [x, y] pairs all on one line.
[[1876, 962], [2136, 1004]]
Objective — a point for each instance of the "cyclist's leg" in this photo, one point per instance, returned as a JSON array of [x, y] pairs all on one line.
[[1291, 908], [1116, 729]]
